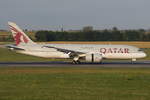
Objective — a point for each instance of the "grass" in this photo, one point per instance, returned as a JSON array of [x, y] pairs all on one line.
[[74, 83]]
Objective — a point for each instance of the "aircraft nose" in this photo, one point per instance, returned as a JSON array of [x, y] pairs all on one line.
[[144, 54], [139, 55]]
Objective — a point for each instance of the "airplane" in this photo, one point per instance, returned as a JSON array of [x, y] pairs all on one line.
[[92, 53]]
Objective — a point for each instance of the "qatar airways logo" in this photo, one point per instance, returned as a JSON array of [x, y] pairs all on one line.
[[18, 36], [114, 50]]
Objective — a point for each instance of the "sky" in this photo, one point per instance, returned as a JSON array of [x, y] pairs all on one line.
[[75, 14]]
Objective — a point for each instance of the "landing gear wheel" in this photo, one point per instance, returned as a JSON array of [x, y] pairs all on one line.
[[76, 62], [73, 62]]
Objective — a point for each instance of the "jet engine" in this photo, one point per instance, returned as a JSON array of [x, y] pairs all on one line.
[[93, 57]]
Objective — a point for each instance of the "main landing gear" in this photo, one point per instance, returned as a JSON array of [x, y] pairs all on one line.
[[76, 60]]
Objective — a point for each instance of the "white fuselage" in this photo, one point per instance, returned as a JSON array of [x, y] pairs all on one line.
[[107, 51]]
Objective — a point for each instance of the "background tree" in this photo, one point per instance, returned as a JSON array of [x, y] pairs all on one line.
[[92, 35]]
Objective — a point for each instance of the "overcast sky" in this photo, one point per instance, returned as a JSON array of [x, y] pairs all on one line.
[[74, 14]]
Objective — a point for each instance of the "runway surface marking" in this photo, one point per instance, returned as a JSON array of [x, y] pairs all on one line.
[[69, 64]]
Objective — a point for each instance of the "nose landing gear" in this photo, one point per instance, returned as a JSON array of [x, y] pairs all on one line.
[[133, 60]]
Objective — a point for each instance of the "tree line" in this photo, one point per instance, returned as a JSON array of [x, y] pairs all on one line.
[[87, 34], [93, 35]]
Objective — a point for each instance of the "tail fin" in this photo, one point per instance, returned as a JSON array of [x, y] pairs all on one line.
[[19, 36]]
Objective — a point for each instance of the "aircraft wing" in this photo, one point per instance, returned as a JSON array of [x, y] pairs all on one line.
[[70, 52]]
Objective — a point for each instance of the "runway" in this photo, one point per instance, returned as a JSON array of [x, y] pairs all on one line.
[[69, 64]]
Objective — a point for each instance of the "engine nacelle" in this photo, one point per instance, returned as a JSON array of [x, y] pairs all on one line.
[[93, 57]]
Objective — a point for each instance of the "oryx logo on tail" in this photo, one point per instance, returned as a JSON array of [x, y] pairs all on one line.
[[19, 36]]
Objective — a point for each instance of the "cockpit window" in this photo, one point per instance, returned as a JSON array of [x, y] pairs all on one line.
[[140, 49]]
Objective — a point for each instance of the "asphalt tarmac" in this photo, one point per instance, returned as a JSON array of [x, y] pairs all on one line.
[[83, 64]]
